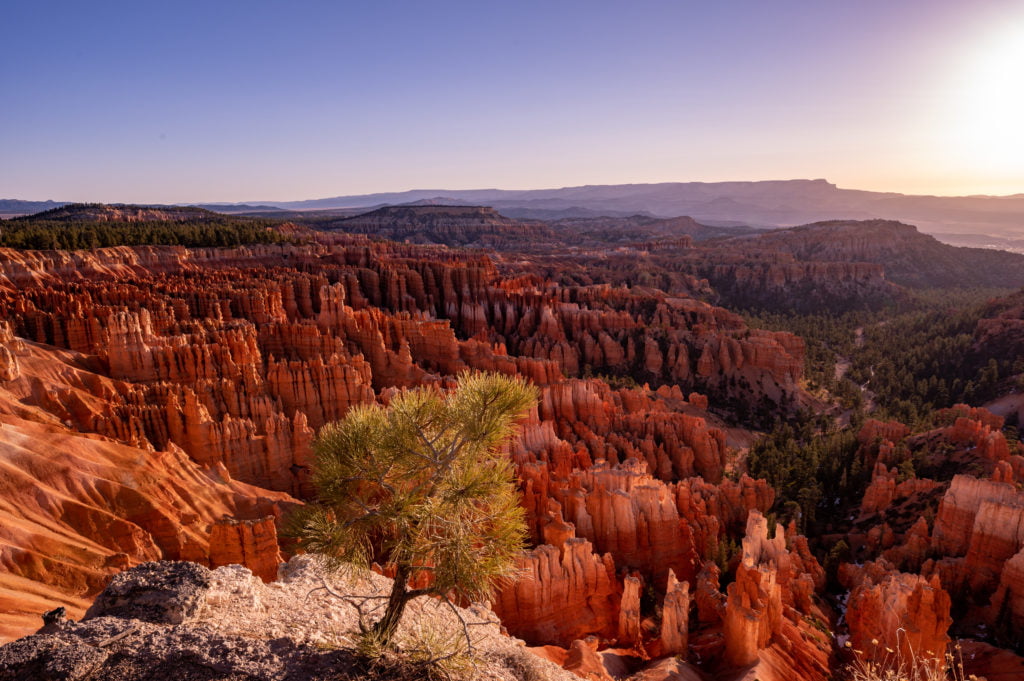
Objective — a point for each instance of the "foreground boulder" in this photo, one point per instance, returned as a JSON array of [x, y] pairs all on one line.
[[163, 592], [180, 620]]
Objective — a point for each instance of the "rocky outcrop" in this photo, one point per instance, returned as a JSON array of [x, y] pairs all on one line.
[[162, 592], [884, 490], [997, 534], [669, 669], [1006, 611], [9, 368], [627, 514], [753, 611], [249, 543], [629, 612], [983, 436], [895, 616], [675, 617], [958, 512], [584, 660], [875, 431], [773, 590], [564, 594], [182, 619], [648, 524]]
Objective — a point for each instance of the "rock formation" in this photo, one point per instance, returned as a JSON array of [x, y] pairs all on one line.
[[232, 358], [564, 594], [959, 510], [675, 617], [895, 616], [249, 543], [164, 391], [765, 611], [180, 618], [753, 612]]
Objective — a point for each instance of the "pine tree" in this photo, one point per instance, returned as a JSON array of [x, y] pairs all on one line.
[[422, 485]]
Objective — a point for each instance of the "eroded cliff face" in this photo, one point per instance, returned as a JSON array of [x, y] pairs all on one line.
[[239, 359], [77, 507], [227, 362], [929, 547], [219, 365], [897, 616]]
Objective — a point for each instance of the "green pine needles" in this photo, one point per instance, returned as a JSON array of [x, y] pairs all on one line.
[[421, 485]]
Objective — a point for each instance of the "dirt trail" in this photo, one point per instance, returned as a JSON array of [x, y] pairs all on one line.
[[843, 366]]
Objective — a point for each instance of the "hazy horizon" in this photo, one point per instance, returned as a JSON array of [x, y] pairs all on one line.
[[459, 190], [238, 102]]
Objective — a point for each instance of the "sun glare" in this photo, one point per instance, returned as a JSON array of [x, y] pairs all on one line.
[[990, 128]]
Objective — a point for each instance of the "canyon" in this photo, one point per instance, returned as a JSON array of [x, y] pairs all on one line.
[[160, 403]]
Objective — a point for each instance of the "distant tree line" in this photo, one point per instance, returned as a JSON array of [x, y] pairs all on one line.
[[77, 235]]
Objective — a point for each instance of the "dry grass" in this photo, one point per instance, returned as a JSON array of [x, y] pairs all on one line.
[[317, 607], [423, 651], [908, 665]]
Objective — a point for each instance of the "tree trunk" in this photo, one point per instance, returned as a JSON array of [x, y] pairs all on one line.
[[387, 625]]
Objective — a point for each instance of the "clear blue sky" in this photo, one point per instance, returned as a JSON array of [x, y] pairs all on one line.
[[220, 100]]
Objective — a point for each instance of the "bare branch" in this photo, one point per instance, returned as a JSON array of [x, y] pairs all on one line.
[[117, 637]]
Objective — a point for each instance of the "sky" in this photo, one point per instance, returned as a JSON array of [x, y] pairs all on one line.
[[272, 101]]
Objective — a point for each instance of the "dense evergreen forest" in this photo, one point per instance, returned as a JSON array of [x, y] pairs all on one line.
[[64, 229], [43, 235], [812, 465], [913, 357], [909, 360]]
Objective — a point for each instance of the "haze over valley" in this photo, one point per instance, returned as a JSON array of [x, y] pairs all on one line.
[[982, 221]]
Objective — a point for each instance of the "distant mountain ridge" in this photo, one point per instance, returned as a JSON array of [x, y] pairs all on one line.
[[773, 203], [19, 207], [760, 204], [910, 257]]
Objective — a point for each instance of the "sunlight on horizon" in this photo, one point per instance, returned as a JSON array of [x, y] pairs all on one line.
[[988, 119]]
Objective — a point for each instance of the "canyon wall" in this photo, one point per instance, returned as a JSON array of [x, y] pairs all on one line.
[[221, 364]]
